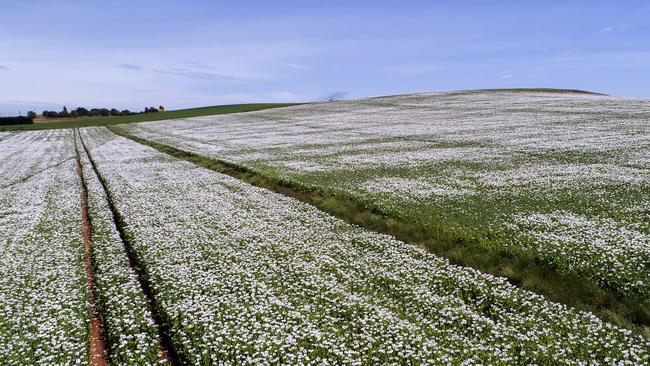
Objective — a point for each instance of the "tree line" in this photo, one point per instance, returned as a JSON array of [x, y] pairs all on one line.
[[78, 112], [93, 112], [20, 120]]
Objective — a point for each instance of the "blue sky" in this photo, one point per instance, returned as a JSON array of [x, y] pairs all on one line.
[[131, 54]]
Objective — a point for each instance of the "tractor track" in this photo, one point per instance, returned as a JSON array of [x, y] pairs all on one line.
[[167, 352], [97, 340]]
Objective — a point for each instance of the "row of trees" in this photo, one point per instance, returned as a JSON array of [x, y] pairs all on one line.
[[20, 120], [94, 112]]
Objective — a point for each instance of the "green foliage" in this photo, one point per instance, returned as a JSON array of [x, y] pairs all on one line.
[[20, 120]]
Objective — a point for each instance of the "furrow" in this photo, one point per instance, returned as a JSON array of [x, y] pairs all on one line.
[[97, 356], [167, 351]]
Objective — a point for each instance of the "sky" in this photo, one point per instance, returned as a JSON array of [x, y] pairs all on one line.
[[180, 54]]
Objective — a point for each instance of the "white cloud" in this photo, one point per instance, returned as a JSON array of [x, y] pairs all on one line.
[[129, 67], [198, 65], [507, 76], [201, 76], [295, 66]]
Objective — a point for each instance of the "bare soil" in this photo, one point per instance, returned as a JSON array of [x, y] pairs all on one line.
[[97, 342]]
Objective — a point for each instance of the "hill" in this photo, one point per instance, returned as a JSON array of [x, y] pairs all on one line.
[[544, 187]]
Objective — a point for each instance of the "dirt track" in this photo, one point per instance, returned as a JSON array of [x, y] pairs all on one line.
[[97, 342]]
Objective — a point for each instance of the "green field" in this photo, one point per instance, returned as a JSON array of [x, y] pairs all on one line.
[[180, 113]]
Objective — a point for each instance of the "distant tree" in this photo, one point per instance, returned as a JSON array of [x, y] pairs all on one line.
[[31, 114], [82, 111], [161, 109], [64, 113], [15, 120], [99, 112]]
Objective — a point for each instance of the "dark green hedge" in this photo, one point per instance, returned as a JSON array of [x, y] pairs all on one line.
[[21, 120]]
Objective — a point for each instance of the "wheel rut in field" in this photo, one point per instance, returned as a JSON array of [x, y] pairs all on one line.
[[97, 341], [167, 352]]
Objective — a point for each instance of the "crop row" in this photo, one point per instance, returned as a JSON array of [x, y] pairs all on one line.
[[128, 326], [246, 276], [564, 177], [44, 308]]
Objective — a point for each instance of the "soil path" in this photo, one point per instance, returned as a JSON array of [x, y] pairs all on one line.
[[167, 354], [97, 343]]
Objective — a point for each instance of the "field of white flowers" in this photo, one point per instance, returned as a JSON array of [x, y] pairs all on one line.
[[247, 276], [44, 303], [234, 274], [562, 176], [128, 326], [44, 308]]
